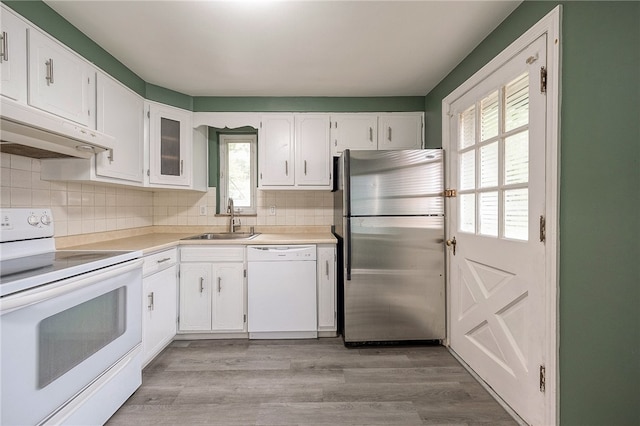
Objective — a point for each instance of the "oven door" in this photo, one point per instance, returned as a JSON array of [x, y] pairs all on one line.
[[58, 338]]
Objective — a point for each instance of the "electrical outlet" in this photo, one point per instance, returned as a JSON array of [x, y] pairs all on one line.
[[272, 210], [203, 210]]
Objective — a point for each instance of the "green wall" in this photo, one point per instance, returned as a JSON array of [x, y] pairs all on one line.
[[309, 104], [599, 287]]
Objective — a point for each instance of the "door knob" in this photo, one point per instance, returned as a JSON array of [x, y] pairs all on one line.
[[452, 243]]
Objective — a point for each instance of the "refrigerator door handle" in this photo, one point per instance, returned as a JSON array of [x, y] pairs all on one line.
[[346, 184], [347, 249]]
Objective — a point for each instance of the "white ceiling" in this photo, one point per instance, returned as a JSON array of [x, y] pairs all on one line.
[[288, 48]]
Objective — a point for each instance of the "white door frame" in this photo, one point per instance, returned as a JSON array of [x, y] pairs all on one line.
[[549, 25]]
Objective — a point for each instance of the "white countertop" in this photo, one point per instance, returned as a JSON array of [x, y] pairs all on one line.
[[153, 242]]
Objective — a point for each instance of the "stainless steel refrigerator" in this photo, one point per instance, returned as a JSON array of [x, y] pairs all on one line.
[[389, 220]]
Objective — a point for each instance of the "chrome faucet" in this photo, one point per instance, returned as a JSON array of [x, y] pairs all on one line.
[[232, 219]]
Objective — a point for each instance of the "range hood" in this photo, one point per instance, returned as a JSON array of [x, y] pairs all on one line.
[[31, 132]]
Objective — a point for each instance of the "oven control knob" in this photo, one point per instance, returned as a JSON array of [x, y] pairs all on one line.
[[33, 220], [46, 220]]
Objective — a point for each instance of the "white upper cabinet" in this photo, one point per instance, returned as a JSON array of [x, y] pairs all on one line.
[[275, 150], [353, 131], [312, 153], [13, 57], [120, 113], [293, 151], [60, 82], [400, 131], [170, 136]]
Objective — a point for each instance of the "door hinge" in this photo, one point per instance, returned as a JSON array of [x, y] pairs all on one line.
[[543, 79], [543, 229], [245, 317], [149, 114], [245, 273], [543, 378], [450, 193]]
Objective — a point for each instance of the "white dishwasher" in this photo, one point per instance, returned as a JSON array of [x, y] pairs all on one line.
[[282, 292]]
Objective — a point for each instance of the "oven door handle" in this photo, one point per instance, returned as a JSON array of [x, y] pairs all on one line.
[[31, 297]]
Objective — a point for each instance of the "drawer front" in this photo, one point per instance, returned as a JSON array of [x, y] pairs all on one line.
[[158, 261], [212, 254]]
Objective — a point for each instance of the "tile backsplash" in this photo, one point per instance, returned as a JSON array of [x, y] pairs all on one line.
[[80, 208]]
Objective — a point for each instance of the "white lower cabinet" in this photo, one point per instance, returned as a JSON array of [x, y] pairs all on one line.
[[326, 270], [212, 290], [60, 81], [159, 302]]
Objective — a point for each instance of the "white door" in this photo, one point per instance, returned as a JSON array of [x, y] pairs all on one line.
[[195, 297], [497, 273], [120, 113], [228, 299], [326, 269], [353, 131], [60, 82], [313, 156], [275, 146], [159, 311], [400, 131], [170, 136], [13, 57]]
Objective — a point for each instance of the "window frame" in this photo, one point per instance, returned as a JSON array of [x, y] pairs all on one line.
[[223, 190]]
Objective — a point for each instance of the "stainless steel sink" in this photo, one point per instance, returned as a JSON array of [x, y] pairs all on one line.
[[224, 236]]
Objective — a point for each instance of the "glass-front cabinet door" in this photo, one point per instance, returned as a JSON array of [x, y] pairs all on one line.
[[169, 145]]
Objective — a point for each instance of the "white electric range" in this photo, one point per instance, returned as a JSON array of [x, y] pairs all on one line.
[[70, 325]]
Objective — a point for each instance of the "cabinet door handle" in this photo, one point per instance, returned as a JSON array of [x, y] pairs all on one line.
[[327, 268], [4, 55], [150, 297], [286, 168], [181, 167], [164, 260], [389, 134], [371, 134], [305, 167], [219, 284], [201, 284], [49, 76]]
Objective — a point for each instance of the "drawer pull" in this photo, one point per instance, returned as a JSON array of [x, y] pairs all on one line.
[[164, 260]]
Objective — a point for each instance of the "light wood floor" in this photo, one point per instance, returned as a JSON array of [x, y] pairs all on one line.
[[306, 382]]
